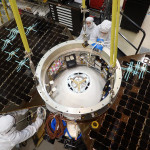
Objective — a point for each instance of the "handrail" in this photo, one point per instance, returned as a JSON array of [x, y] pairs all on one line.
[[144, 34]]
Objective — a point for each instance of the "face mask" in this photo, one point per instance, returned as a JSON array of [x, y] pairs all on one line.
[[90, 26]]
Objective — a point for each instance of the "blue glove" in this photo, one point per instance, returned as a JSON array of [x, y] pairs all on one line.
[[100, 40], [97, 46]]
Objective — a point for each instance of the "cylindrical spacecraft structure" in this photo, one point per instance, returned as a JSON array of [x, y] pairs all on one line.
[[75, 81]]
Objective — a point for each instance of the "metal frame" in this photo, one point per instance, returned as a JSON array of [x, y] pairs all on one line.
[[144, 34]]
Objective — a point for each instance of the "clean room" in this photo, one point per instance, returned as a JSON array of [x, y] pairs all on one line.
[[74, 74]]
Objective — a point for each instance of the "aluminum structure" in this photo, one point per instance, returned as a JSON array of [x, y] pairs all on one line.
[[50, 88]]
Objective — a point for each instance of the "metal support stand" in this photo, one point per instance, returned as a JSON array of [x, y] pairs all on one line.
[[28, 55], [84, 11], [112, 78]]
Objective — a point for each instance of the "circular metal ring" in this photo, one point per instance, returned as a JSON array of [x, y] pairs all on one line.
[[68, 47], [94, 124]]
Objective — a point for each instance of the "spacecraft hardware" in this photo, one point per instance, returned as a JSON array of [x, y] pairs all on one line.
[[75, 81]]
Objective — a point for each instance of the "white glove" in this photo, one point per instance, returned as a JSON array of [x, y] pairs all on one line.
[[41, 113]]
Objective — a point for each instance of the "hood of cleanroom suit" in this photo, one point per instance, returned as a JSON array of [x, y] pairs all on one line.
[[90, 19], [105, 26], [89, 30], [105, 30]]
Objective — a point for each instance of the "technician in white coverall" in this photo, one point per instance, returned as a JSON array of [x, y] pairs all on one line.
[[9, 136], [91, 27], [104, 32]]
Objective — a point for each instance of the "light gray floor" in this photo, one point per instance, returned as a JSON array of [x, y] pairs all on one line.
[[44, 146], [135, 38], [144, 50]]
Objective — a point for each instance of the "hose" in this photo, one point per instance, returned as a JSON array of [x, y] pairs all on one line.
[[59, 128]]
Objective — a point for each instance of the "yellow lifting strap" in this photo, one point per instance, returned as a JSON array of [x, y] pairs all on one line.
[[1, 18], [83, 4], [44, 1], [117, 30], [17, 17], [114, 32], [5, 8]]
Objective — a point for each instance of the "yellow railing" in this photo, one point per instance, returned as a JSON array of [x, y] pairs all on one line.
[[83, 4], [5, 8], [1, 17]]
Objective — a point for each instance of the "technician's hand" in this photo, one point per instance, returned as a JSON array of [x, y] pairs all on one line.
[[41, 113]]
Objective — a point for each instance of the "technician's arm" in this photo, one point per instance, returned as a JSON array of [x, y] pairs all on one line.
[[20, 136], [94, 35], [80, 37], [18, 113], [108, 40]]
